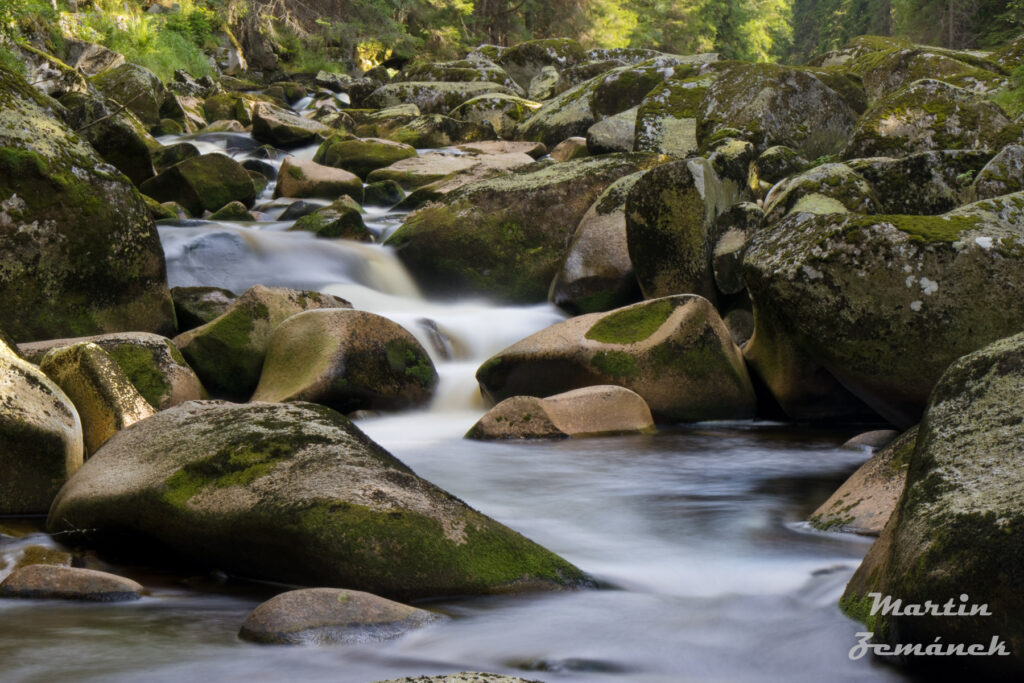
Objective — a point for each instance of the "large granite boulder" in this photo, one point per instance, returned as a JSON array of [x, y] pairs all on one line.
[[284, 128], [295, 493], [203, 183], [432, 97], [135, 87], [361, 155]]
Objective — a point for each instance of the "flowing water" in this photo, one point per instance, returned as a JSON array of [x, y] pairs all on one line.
[[696, 534]]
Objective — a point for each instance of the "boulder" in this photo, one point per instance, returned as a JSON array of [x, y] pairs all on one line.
[[502, 112], [666, 119], [812, 110], [49, 582], [669, 213], [776, 163], [570, 148], [422, 170], [302, 178], [203, 183], [590, 411], [525, 61], [865, 501], [871, 441], [152, 364], [926, 183], [431, 97], [462, 677], [340, 219], [829, 188], [506, 237], [284, 128], [955, 535], [295, 493], [675, 352], [542, 86], [597, 274], [41, 442], [1002, 175], [227, 353], [349, 360], [926, 116], [195, 306], [104, 397], [321, 616], [230, 106], [90, 58], [361, 155], [867, 297], [459, 71], [431, 131], [613, 134], [168, 156], [727, 261], [234, 211], [385, 193], [885, 72], [79, 253], [135, 87]]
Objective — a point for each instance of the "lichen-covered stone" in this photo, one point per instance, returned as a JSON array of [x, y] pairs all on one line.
[[295, 493], [865, 501], [811, 110], [49, 582], [152, 364], [320, 616], [502, 112], [79, 253], [1002, 175], [505, 237], [597, 274], [230, 106], [432, 97], [925, 116], [927, 183], [464, 70], [104, 397], [348, 360], [612, 134], [526, 60], [339, 219], [428, 168], [135, 87], [885, 303], [233, 211], [227, 353], [669, 213], [361, 155], [195, 306], [284, 128], [203, 183], [303, 178], [885, 72], [666, 120], [431, 131], [542, 86], [41, 442], [590, 411], [776, 163], [956, 532], [569, 149], [675, 352], [850, 192]]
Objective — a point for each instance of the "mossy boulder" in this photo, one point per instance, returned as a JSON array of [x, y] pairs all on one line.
[[104, 397], [118, 136], [302, 178], [434, 166], [230, 106], [235, 211], [1010, 55], [79, 253], [49, 582], [956, 532], [590, 411], [597, 274], [810, 190], [295, 493], [431, 131], [506, 237], [569, 149], [320, 616], [884, 303], [385, 193], [461, 677], [165, 157], [152, 364], [926, 183], [925, 116], [41, 442], [666, 119], [885, 72], [135, 87], [669, 214], [865, 501], [284, 128], [203, 183], [349, 360], [1002, 175], [361, 155], [612, 134], [543, 85], [432, 97], [776, 163], [459, 71], [502, 112], [339, 219], [227, 353], [675, 352], [525, 60], [811, 110], [195, 306]]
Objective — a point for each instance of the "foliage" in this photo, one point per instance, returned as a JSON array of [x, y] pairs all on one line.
[[1012, 99]]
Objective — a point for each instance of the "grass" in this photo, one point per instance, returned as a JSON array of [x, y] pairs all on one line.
[[1012, 99]]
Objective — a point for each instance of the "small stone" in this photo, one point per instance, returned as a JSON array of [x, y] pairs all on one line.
[[50, 582]]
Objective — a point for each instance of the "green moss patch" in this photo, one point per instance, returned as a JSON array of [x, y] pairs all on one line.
[[616, 364], [143, 371], [632, 325]]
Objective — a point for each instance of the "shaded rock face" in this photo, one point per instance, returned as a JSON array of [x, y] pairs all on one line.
[[433, 97], [195, 306], [865, 501], [79, 253], [502, 112], [506, 237], [829, 188], [49, 582], [957, 527], [886, 71], [925, 116], [135, 87], [349, 360], [318, 616], [203, 183], [340, 219], [526, 60], [1002, 175], [885, 303], [590, 411], [675, 352], [296, 493], [810, 110], [41, 442], [666, 120], [926, 183]]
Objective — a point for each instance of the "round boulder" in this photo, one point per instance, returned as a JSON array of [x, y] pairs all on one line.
[[54, 582]]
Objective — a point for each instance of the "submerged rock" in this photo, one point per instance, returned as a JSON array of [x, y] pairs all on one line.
[[295, 493], [318, 616], [50, 582]]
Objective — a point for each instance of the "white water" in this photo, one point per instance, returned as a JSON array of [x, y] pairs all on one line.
[[696, 532]]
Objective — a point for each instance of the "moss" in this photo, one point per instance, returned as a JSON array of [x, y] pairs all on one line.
[[143, 370], [632, 325], [296, 173], [407, 358], [921, 229], [859, 609], [232, 465], [616, 364]]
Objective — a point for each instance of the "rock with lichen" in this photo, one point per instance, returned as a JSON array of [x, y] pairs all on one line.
[[1003, 174], [666, 120], [203, 183], [926, 183], [295, 493], [433, 97], [304, 178], [502, 112], [675, 352], [829, 188]]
